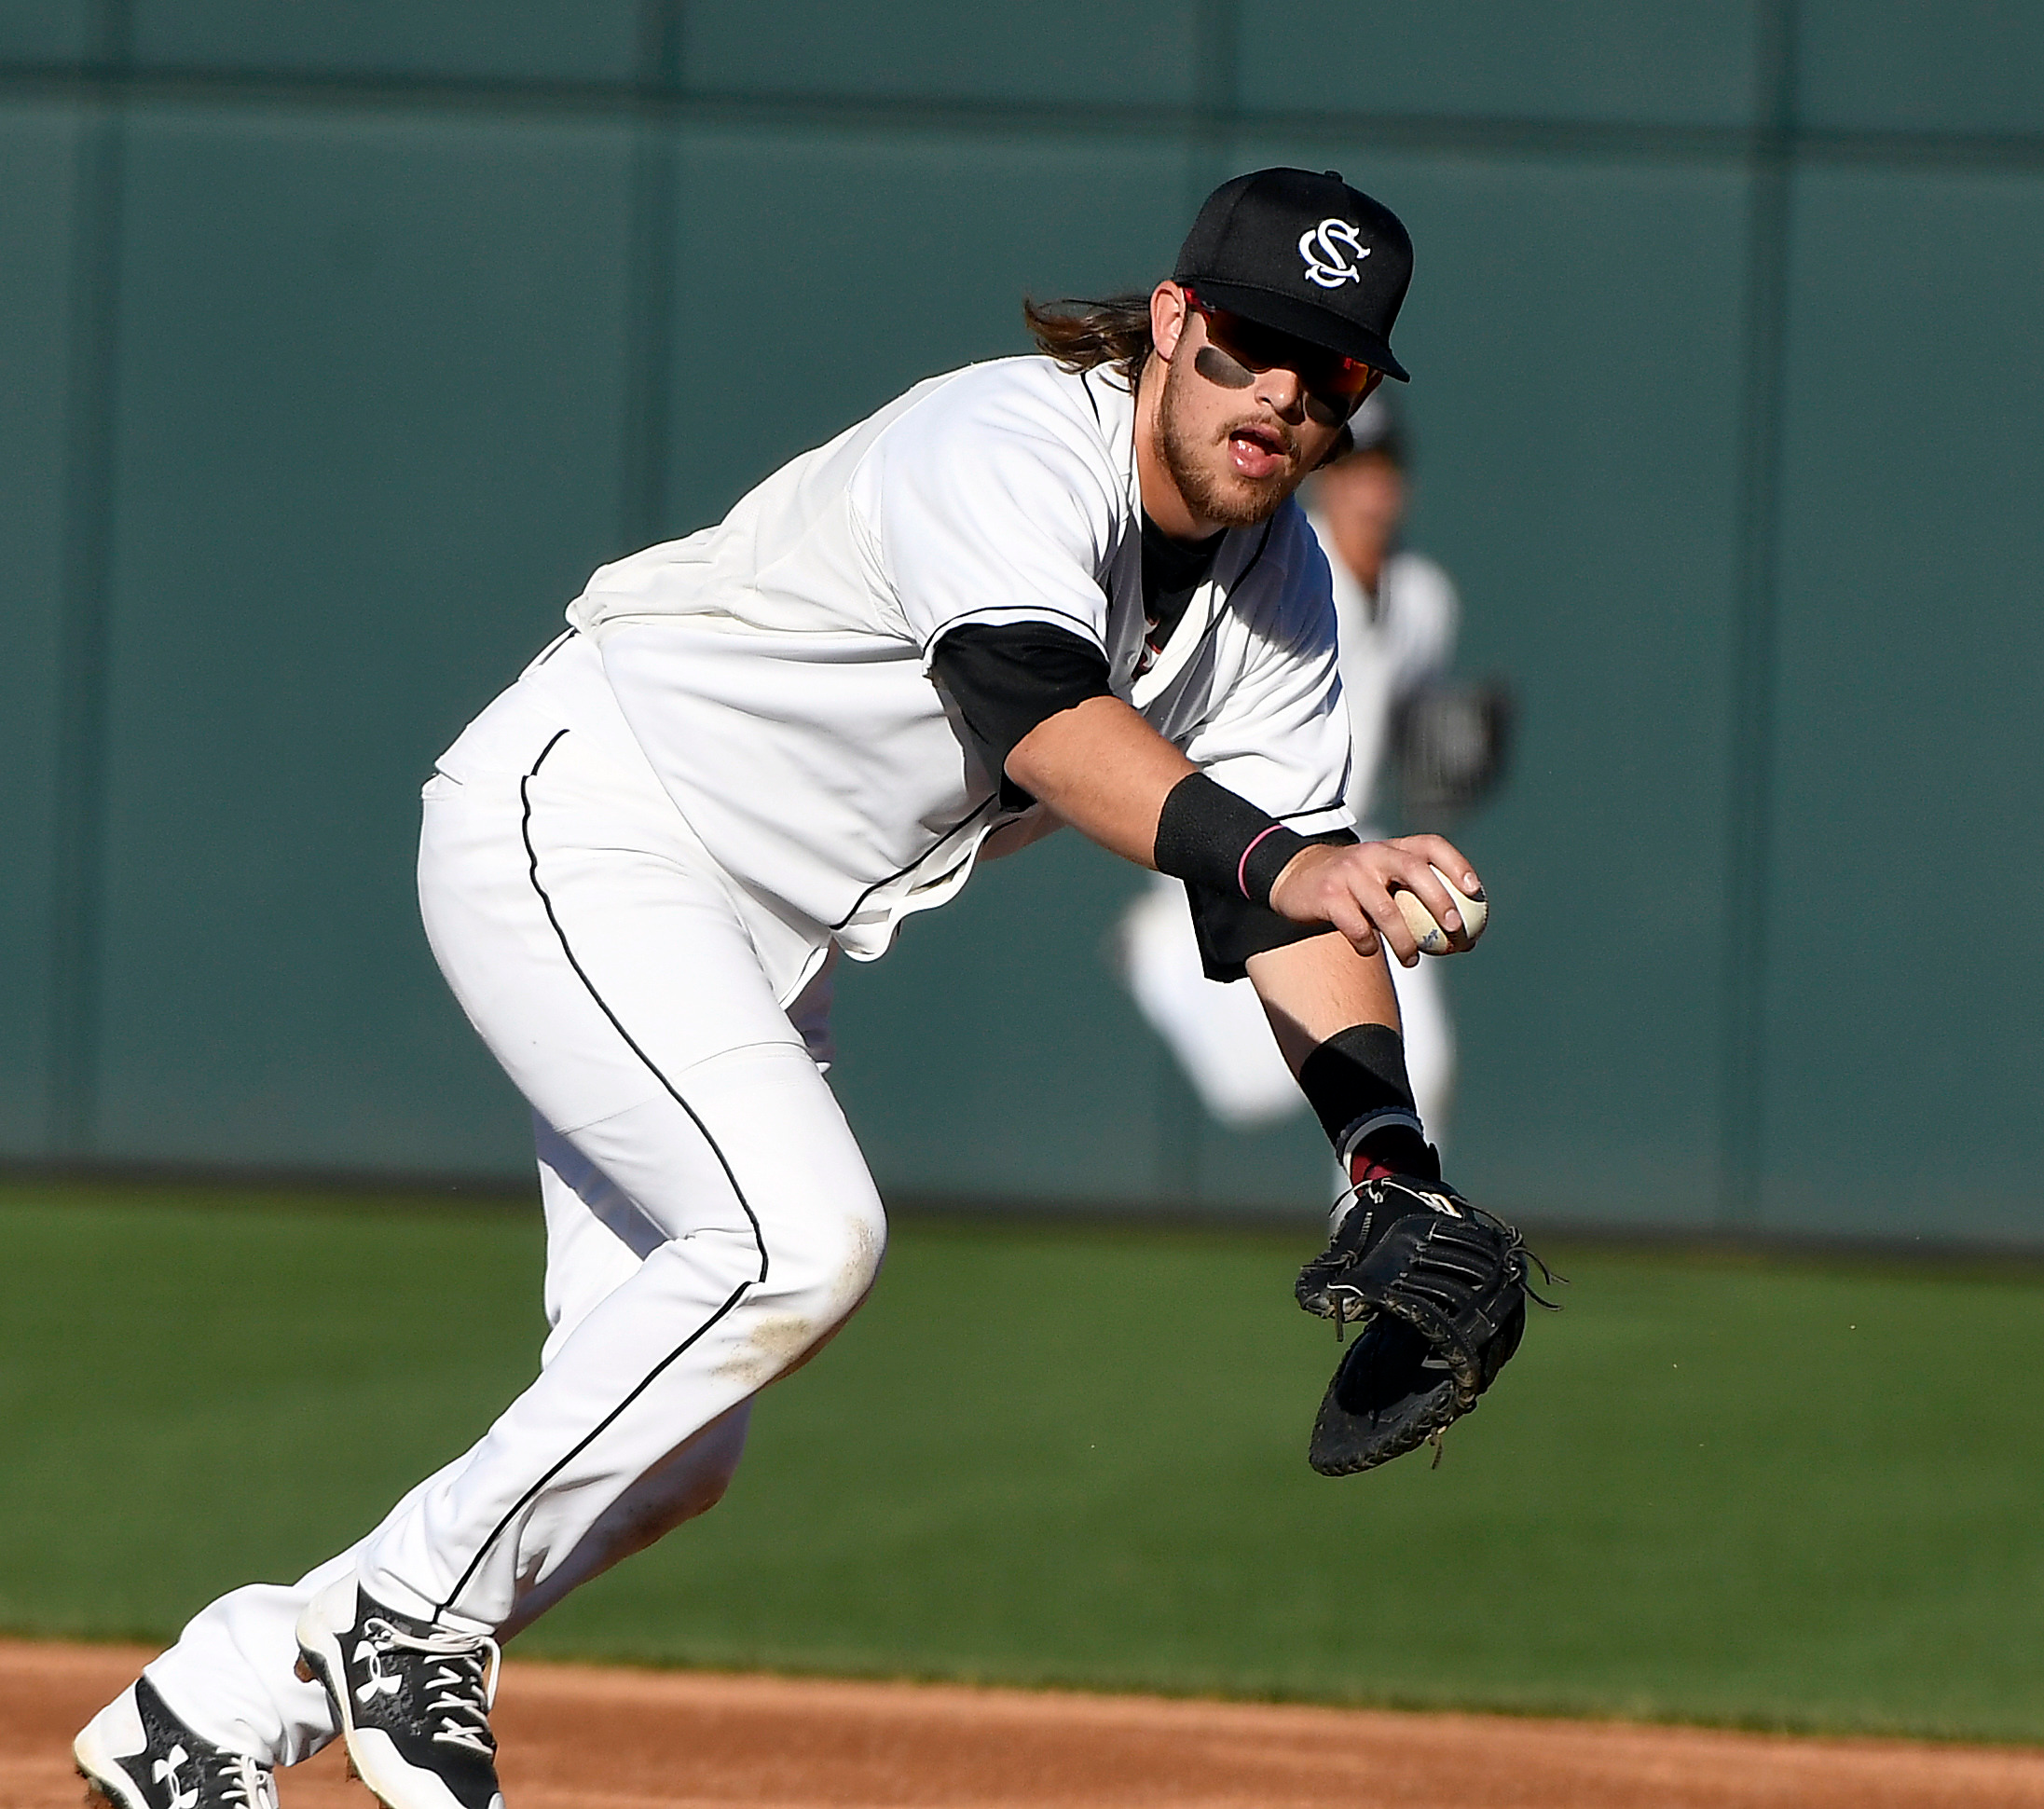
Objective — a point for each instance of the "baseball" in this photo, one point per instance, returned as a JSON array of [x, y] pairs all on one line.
[[1431, 937]]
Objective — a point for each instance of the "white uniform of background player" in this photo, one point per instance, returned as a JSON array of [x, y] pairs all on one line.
[[1393, 642]]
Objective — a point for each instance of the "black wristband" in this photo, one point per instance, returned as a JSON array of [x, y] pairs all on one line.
[[1357, 1084], [1211, 836], [1229, 929]]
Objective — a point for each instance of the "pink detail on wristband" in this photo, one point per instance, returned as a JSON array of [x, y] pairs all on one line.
[[1242, 866]]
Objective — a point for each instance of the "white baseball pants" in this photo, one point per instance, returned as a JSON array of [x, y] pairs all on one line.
[[709, 1219]]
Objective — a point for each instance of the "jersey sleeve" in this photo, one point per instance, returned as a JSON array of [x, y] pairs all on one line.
[[992, 504], [1278, 733]]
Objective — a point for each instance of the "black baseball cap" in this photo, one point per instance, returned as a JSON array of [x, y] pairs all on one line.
[[1306, 254]]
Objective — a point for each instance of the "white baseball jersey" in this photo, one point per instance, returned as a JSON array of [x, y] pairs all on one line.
[[775, 669], [1391, 645]]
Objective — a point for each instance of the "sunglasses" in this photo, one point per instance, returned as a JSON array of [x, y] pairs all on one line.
[[1334, 387]]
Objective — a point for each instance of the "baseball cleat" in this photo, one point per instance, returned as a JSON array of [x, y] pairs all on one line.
[[136, 1754], [411, 1700]]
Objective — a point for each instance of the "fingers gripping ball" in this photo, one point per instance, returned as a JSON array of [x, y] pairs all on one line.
[[1431, 937], [1440, 1286]]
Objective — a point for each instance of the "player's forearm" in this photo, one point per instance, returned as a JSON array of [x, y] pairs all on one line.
[[1103, 769], [1336, 1019], [1312, 989]]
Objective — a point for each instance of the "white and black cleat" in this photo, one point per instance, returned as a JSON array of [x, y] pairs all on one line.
[[412, 1699], [136, 1754]]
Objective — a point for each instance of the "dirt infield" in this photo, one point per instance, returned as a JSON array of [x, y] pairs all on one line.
[[580, 1738]]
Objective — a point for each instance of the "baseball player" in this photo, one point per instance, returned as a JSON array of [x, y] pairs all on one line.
[[1396, 615], [1061, 589]]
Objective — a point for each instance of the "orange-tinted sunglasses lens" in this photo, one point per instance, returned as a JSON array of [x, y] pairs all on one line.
[[1324, 373]]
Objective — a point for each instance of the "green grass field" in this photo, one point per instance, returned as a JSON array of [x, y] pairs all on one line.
[[1770, 1492]]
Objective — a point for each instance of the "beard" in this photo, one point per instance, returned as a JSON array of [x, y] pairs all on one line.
[[1198, 465]]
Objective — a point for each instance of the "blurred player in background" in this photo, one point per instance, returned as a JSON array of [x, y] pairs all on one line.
[[1398, 614]]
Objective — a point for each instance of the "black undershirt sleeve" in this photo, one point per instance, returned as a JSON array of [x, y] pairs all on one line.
[[1007, 678], [1229, 928]]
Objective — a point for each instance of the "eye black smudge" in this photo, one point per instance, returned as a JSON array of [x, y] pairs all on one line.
[[1216, 367]]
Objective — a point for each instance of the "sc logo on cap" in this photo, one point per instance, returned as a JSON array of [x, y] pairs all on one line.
[[1331, 251]]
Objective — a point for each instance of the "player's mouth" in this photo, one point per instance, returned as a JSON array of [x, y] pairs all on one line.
[[1257, 452]]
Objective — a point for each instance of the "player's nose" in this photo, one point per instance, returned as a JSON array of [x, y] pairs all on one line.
[[1281, 390]]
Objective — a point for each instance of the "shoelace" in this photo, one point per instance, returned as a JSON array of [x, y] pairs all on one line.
[[243, 1782], [465, 1682]]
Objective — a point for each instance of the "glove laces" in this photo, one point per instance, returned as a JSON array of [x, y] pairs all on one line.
[[1521, 1253], [1444, 1201]]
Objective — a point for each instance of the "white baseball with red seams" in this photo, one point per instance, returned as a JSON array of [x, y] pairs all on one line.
[[1432, 938]]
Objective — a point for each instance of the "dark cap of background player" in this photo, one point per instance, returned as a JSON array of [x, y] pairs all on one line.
[[1376, 429], [1306, 254]]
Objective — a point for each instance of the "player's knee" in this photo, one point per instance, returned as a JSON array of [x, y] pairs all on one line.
[[711, 1459], [637, 1524], [708, 1492], [813, 1284], [706, 1489], [828, 1267]]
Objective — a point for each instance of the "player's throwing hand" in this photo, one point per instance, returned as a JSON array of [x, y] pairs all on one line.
[[1352, 887]]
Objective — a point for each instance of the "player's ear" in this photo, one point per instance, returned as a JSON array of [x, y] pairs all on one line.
[[1167, 318]]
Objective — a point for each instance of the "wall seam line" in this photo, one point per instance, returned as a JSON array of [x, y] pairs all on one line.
[[91, 378], [1749, 829], [1203, 114], [653, 229]]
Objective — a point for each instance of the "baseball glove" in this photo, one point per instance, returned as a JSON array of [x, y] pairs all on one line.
[[1441, 1288]]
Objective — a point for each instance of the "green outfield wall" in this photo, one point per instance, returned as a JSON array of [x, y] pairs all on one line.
[[338, 342]]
